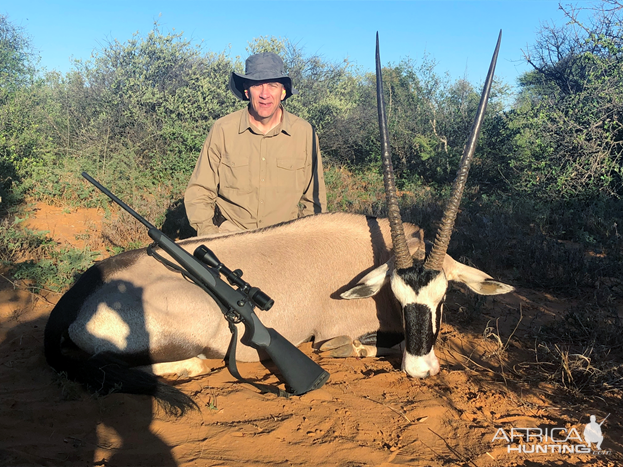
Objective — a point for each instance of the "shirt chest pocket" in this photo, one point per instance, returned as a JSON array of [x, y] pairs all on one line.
[[291, 163], [290, 174], [235, 174]]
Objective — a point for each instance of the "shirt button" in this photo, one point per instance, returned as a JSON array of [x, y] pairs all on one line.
[[263, 158]]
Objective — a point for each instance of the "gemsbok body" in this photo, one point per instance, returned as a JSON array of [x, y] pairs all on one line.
[[335, 278]]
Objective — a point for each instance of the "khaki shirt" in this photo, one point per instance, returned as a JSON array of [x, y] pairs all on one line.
[[256, 180]]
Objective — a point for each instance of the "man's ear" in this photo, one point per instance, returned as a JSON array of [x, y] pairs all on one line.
[[246, 93], [283, 94]]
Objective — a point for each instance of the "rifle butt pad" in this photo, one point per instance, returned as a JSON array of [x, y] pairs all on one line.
[[300, 372]]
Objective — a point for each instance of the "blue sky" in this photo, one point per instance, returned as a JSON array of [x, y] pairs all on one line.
[[458, 35]]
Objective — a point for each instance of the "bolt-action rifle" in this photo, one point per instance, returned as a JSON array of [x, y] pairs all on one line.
[[300, 373]]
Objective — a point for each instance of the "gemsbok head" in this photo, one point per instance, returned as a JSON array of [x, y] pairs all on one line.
[[419, 278]]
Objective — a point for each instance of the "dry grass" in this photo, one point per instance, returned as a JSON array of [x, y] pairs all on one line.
[[583, 351], [124, 232]]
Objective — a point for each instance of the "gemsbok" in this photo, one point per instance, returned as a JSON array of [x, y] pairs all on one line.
[[129, 318]]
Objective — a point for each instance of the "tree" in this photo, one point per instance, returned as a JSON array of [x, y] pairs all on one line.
[[570, 112], [17, 58], [429, 119], [18, 135]]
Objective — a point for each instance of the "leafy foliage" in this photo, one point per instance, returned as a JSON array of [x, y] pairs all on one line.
[[18, 123], [57, 271], [16, 56], [568, 118], [136, 115]]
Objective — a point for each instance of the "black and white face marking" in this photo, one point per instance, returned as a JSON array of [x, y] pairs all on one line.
[[420, 329], [421, 293]]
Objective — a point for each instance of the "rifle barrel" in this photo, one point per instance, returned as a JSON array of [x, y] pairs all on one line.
[[107, 192]]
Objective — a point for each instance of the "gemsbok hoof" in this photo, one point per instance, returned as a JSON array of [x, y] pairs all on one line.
[[344, 346], [338, 347], [336, 343]]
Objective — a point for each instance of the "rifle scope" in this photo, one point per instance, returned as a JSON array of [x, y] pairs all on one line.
[[257, 297]]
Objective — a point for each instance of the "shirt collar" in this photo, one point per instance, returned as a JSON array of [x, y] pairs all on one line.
[[284, 126]]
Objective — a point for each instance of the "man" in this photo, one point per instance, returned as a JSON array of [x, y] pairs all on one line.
[[258, 164]]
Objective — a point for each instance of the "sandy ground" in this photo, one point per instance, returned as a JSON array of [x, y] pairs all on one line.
[[368, 414]]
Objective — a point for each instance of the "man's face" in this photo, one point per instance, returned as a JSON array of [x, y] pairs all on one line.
[[265, 97]]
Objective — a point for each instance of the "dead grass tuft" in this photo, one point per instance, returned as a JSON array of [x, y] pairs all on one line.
[[70, 390], [124, 232], [583, 372]]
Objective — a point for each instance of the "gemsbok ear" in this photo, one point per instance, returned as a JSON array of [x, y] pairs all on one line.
[[475, 279], [370, 284]]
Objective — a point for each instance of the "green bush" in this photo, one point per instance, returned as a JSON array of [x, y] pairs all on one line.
[[17, 243], [57, 271], [567, 121]]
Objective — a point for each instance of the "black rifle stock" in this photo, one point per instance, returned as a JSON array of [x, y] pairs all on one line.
[[300, 373]]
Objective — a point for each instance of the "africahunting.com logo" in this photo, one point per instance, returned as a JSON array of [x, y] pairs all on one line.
[[554, 440]]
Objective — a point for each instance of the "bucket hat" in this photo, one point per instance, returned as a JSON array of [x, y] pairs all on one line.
[[261, 67]]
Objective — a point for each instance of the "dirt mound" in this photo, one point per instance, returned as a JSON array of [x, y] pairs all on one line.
[[75, 227]]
